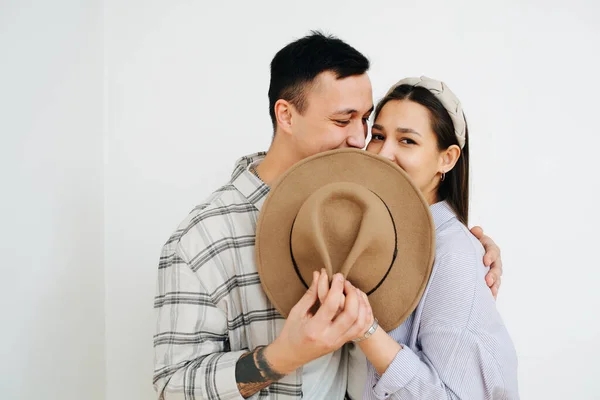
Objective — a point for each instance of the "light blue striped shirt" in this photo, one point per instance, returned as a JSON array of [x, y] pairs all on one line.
[[455, 343]]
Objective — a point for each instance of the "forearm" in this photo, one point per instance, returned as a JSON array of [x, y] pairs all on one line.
[[389, 359], [410, 377], [457, 366], [264, 365], [202, 377], [380, 349], [253, 372]]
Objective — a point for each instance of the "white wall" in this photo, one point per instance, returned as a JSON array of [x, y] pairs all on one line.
[[187, 84], [185, 95], [51, 203]]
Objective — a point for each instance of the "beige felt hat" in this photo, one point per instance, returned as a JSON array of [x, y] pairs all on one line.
[[352, 212]]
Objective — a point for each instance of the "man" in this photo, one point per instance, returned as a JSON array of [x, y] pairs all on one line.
[[218, 337]]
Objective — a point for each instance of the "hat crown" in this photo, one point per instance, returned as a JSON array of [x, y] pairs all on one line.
[[346, 228], [365, 204]]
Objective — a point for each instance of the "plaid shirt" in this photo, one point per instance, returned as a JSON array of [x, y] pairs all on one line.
[[210, 305]]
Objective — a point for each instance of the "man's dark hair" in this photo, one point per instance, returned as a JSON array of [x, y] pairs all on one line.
[[296, 66]]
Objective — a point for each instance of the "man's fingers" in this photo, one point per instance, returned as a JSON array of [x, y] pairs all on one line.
[[492, 255], [496, 288], [323, 285], [331, 305], [348, 317], [303, 306], [497, 267], [342, 303], [490, 278], [477, 231], [316, 276], [492, 251], [493, 279]]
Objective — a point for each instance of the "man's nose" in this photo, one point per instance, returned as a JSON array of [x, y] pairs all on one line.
[[357, 138]]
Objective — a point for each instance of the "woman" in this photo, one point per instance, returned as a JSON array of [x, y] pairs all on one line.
[[454, 345]]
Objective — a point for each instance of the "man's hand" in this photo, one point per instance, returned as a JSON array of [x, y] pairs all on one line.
[[323, 289], [491, 259], [306, 337], [344, 315]]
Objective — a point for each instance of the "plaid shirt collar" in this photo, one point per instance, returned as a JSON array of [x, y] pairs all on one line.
[[247, 183]]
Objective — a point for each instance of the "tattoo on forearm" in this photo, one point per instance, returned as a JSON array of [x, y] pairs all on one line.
[[253, 372]]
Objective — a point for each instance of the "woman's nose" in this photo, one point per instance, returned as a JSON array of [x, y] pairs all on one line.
[[386, 152]]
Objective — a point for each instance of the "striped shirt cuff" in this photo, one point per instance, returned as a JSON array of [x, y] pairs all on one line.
[[219, 376], [400, 372]]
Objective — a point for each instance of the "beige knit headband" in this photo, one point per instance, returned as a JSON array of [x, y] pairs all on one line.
[[441, 91]]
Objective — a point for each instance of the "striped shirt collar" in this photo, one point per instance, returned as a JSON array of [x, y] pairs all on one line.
[[247, 183], [442, 212]]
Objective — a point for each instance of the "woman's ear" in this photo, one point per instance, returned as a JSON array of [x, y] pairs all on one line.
[[448, 158]]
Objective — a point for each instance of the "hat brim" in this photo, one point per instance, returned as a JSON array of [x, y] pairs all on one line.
[[399, 294]]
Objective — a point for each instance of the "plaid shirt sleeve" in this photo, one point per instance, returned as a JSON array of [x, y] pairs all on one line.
[[192, 357]]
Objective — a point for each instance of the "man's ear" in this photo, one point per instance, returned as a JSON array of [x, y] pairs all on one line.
[[448, 158], [283, 114]]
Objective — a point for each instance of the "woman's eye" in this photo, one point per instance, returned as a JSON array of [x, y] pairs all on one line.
[[376, 136], [408, 141]]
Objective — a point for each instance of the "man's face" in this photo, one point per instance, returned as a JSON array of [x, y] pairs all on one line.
[[335, 116]]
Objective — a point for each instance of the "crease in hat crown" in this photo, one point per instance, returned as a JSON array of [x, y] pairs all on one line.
[[340, 227], [448, 99]]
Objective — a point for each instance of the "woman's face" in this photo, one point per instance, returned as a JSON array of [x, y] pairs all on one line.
[[402, 133]]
